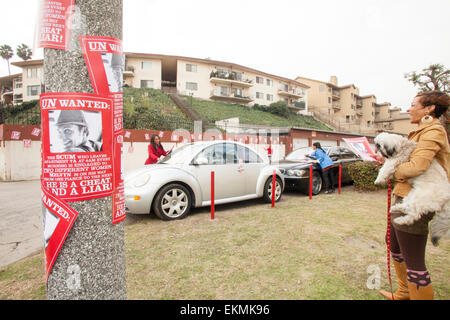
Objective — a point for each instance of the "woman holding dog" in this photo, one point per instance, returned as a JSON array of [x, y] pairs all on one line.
[[408, 242]]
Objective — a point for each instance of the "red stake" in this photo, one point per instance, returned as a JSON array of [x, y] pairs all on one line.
[[340, 178], [273, 188], [310, 181], [389, 236], [212, 195]]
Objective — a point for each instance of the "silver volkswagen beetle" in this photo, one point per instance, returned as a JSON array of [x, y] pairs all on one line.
[[182, 180]]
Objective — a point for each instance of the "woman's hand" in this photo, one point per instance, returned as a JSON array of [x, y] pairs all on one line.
[[379, 158]]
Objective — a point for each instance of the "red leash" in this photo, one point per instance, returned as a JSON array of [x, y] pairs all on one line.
[[388, 240]]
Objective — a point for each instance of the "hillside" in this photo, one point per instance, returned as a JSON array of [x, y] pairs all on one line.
[[153, 109], [212, 111]]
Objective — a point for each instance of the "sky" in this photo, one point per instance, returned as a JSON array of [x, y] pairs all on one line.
[[368, 43]]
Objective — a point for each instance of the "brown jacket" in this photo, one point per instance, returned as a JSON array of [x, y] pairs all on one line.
[[432, 143]]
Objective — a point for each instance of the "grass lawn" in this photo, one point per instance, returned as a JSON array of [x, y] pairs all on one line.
[[301, 249], [214, 110]]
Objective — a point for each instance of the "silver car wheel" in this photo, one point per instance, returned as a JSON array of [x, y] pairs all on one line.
[[174, 203], [277, 190]]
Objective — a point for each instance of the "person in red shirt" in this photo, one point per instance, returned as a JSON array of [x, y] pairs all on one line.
[[269, 152], [155, 150]]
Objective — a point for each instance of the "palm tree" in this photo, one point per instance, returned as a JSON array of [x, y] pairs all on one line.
[[24, 52], [6, 53]]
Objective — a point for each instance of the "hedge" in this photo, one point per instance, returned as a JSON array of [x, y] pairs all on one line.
[[364, 174]]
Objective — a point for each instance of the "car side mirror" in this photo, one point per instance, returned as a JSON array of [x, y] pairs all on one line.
[[200, 161]]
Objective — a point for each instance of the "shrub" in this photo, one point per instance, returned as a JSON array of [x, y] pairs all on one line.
[[363, 174]]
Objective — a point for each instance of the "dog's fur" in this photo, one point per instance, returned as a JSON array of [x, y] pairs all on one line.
[[430, 191]]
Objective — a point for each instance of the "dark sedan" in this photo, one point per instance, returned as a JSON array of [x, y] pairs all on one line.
[[295, 168]]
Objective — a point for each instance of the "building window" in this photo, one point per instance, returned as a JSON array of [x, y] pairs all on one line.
[[329, 99], [237, 92], [146, 65], [259, 80], [269, 82], [191, 67], [284, 87], [237, 75], [191, 86], [33, 73], [146, 83], [259, 95], [33, 90], [224, 91], [353, 107], [269, 97]]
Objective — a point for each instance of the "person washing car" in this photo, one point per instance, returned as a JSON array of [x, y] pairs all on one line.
[[326, 164], [155, 150]]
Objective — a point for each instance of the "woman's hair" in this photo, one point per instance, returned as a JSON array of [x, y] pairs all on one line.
[[152, 141], [317, 145], [439, 99]]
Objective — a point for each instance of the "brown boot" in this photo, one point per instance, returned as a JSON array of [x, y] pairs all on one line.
[[419, 292], [402, 292]]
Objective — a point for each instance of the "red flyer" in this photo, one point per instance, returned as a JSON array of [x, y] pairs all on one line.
[[105, 62], [27, 143], [77, 159], [15, 135], [55, 24], [35, 132], [58, 219], [361, 146]]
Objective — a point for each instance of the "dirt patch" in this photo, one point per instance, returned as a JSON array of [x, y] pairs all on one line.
[[362, 243]]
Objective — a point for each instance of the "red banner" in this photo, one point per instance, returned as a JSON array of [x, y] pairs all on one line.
[[55, 24]]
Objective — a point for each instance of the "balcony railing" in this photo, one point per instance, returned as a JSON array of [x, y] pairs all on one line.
[[336, 94], [223, 77], [358, 102], [129, 71], [290, 92], [336, 105], [216, 94]]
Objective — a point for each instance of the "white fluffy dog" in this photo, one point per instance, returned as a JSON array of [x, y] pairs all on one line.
[[430, 191]]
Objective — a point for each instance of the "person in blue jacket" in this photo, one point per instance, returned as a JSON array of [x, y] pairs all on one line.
[[326, 164]]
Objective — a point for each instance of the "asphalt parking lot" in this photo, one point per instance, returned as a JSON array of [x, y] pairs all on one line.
[[20, 220]]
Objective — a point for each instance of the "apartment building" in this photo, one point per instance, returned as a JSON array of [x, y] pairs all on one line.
[[345, 108], [28, 85], [213, 80], [200, 78]]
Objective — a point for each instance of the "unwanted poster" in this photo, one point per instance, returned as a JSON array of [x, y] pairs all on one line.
[[58, 219], [361, 147], [55, 24], [105, 62], [77, 157]]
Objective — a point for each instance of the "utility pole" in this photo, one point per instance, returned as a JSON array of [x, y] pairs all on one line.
[[91, 263]]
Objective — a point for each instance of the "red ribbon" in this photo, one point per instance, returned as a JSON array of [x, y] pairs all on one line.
[[388, 240]]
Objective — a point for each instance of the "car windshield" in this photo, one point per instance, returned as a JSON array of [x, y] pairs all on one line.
[[299, 154], [179, 155]]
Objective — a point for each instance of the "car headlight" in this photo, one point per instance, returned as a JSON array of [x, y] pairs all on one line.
[[140, 181], [290, 172], [282, 171], [299, 173]]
